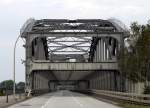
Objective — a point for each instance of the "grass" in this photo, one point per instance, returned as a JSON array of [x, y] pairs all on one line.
[[128, 105]]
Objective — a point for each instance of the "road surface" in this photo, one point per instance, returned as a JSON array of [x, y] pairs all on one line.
[[63, 99]]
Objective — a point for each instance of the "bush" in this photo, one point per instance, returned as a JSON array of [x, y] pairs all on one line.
[[147, 90], [1, 93]]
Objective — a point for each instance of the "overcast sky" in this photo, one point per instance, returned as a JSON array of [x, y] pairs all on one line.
[[13, 13]]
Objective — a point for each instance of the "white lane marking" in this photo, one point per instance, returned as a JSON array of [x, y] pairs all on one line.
[[77, 101], [47, 102]]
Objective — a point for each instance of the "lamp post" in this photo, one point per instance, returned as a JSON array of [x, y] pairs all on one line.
[[14, 67]]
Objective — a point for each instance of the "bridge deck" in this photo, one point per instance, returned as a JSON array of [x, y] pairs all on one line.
[[63, 99]]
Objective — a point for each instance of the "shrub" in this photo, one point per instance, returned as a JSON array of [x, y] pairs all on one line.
[[147, 90]]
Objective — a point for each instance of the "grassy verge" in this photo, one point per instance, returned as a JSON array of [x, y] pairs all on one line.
[[128, 105]]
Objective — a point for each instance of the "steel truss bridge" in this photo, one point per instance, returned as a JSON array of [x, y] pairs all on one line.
[[73, 54]]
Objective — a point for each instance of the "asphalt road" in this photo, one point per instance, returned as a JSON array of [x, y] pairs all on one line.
[[63, 99]]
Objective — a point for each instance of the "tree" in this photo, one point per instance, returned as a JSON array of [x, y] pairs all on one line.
[[135, 31], [135, 65], [21, 86], [7, 84]]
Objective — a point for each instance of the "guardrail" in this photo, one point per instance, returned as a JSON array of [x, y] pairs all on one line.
[[137, 98]]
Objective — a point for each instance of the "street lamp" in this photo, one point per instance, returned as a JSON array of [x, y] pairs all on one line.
[[14, 66]]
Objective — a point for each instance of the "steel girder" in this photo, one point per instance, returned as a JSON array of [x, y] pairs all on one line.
[[81, 30], [56, 35]]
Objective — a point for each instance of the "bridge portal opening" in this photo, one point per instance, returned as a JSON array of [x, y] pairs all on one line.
[[68, 85]]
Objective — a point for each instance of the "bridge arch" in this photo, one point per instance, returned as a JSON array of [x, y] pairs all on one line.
[[94, 44]]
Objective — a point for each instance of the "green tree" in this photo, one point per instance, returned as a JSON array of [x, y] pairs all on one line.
[[135, 65], [7, 84], [21, 86]]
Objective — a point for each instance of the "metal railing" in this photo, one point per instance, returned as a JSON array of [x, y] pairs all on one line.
[[137, 98]]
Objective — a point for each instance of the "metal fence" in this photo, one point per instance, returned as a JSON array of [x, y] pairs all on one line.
[[137, 98]]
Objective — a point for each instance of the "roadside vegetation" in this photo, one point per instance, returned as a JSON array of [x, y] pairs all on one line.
[[134, 60], [7, 87], [128, 105]]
